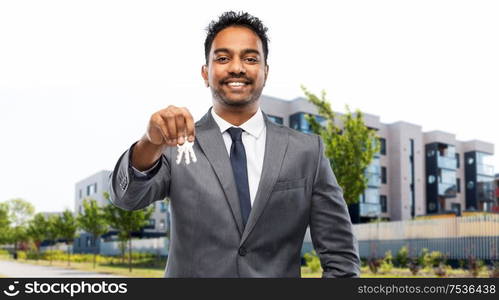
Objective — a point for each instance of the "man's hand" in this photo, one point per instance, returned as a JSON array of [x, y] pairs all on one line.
[[167, 128]]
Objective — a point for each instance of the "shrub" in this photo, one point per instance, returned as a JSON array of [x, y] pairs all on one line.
[[21, 255], [313, 262], [494, 272], [402, 257], [363, 262], [414, 266], [374, 264], [387, 263], [474, 266], [440, 270], [421, 257], [433, 259]]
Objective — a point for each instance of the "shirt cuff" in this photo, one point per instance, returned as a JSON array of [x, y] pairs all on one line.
[[147, 173]]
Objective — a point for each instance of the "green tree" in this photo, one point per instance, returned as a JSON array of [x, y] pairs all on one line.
[[92, 220], [4, 223], [37, 231], [126, 222], [350, 148], [19, 213], [67, 225], [53, 232]]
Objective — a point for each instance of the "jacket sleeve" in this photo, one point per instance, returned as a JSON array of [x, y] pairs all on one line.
[[330, 226], [131, 191]]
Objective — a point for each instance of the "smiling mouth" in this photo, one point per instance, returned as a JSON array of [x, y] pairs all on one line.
[[237, 86]]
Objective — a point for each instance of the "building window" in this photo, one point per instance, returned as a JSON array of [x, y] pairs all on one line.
[[91, 189], [162, 224], [382, 146], [298, 122], [458, 185], [275, 119], [457, 160], [456, 208], [80, 194], [152, 223], [382, 202], [162, 206], [383, 175]]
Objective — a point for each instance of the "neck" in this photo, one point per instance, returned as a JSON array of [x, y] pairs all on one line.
[[235, 115]]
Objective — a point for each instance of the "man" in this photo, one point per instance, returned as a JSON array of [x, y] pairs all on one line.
[[242, 209]]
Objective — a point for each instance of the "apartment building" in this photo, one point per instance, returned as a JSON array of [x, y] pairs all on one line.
[[415, 173]]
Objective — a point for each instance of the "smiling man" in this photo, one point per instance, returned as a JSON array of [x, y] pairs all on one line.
[[242, 209]]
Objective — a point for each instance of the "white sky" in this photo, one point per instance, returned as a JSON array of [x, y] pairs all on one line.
[[80, 79]]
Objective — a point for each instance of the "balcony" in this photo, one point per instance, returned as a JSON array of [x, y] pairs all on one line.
[[370, 209], [485, 191], [484, 169], [447, 162], [447, 189]]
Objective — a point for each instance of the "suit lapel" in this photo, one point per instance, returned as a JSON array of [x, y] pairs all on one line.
[[210, 140], [275, 147]]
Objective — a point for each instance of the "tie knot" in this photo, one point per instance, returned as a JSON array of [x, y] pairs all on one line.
[[235, 133]]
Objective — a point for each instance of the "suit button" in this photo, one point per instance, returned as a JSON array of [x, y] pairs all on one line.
[[242, 251]]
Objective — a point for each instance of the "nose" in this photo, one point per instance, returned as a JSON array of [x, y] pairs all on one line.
[[236, 66]]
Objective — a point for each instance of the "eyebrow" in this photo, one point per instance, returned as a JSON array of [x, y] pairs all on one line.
[[244, 51]]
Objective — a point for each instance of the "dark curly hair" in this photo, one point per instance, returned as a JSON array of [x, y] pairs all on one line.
[[231, 18]]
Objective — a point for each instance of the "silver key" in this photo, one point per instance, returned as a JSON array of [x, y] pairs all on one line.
[[187, 151]]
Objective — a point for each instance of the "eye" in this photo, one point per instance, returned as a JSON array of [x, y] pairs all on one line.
[[222, 59], [251, 59]]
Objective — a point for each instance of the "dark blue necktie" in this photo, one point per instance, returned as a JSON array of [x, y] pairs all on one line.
[[240, 169]]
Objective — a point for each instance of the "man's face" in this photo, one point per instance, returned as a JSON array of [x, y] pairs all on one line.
[[236, 70]]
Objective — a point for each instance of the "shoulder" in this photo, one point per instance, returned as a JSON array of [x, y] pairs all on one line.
[[309, 141]]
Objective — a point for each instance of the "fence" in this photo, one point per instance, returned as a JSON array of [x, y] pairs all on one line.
[[157, 246], [457, 238]]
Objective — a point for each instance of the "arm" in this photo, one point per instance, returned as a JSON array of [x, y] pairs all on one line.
[[330, 226], [131, 189]]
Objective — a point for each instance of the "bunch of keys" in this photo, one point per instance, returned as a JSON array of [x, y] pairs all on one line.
[[187, 151]]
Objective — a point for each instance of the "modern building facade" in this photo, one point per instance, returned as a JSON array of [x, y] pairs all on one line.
[[415, 173]]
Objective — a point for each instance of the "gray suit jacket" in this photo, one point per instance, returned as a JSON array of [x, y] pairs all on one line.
[[297, 189]]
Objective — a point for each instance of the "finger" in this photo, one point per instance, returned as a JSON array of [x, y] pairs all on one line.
[[180, 122], [160, 124], [189, 123], [169, 119]]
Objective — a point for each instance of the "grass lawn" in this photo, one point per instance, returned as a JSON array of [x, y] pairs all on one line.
[[400, 273]]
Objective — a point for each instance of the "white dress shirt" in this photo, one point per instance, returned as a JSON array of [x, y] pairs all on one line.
[[253, 137]]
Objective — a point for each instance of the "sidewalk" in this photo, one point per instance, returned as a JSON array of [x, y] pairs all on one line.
[[22, 270]]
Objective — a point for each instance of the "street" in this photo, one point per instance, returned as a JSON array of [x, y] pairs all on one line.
[[22, 270]]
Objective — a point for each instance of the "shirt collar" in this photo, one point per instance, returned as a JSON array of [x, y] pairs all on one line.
[[254, 125]]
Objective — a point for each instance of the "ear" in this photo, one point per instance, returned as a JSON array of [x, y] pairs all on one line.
[[204, 74], [266, 73]]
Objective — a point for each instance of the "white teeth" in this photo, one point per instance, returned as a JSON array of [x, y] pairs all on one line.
[[236, 83]]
